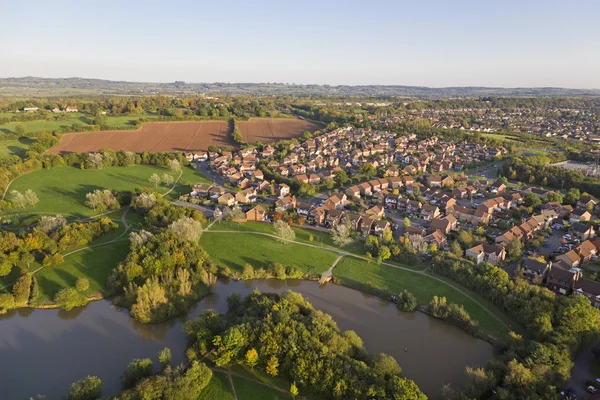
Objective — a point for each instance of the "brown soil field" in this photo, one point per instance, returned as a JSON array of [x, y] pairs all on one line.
[[267, 130], [182, 136]]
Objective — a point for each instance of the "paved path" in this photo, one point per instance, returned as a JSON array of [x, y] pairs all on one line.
[[345, 253], [327, 275]]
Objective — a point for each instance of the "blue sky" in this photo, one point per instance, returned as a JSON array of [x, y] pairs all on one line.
[[429, 43]]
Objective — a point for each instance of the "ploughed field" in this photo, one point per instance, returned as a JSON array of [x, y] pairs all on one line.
[[183, 136]]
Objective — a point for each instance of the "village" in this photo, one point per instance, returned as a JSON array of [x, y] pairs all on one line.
[[415, 190]]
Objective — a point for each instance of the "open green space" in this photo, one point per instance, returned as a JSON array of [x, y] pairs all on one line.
[[62, 190], [250, 390], [234, 250], [94, 263], [218, 388], [59, 122], [16, 147], [355, 272]]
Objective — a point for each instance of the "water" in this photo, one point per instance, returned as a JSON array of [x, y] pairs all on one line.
[[44, 351]]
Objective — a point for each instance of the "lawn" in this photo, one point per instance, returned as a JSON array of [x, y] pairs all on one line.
[[189, 177], [218, 388], [95, 264], [62, 190], [16, 147], [353, 271], [249, 390], [234, 250]]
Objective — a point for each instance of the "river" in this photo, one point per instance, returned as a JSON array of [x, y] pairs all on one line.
[[44, 351]]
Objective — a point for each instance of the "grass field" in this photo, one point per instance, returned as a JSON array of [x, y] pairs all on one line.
[[353, 271], [235, 250], [249, 390], [16, 147], [218, 388], [63, 190], [52, 124]]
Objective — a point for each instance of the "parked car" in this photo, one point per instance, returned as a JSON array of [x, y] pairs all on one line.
[[591, 389]]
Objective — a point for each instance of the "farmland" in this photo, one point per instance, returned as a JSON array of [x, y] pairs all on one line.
[[272, 129], [183, 136]]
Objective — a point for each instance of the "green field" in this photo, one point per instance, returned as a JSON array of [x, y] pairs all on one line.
[[250, 390], [16, 147], [234, 250], [56, 123], [62, 190], [352, 271], [218, 388]]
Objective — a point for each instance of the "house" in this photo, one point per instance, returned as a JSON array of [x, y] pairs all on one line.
[[375, 212], [285, 203], [379, 226], [505, 238], [430, 212], [445, 225], [215, 191], [365, 189], [316, 216], [71, 109], [391, 200], [246, 196], [303, 209], [437, 238], [353, 192], [227, 199], [571, 259], [582, 231], [257, 214], [586, 251], [333, 217], [201, 190], [486, 252], [447, 182], [30, 109], [469, 215], [434, 181], [284, 190], [580, 214], [366, 226], [338, 199], [535, 271], [590, 289], [562, 280]]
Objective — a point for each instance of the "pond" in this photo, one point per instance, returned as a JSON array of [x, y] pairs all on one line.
[[44, 351]]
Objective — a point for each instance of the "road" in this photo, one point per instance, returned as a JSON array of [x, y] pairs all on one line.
[[581, 370]]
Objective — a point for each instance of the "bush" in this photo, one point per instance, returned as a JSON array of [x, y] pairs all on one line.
[[69, 298], [82, 284], [89, 388]]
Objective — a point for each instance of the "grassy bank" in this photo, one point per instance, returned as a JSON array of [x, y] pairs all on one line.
[[372, 277]]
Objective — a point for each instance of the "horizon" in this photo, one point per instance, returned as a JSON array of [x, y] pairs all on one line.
[[437, 45], [300, 84]]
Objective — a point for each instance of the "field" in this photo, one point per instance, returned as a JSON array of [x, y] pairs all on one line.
[[267, 130], [353, 272], [16, 147], [234, 250], [183, 136], [152, 137], [62, 190], [218, 388]]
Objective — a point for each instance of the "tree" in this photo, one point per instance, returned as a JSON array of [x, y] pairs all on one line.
[[384, 253], [515, 247], [168, 179], [554, 197], [251, 358], [342, 234], [82, 284], [284, 232], [532, 200], [137, 370], [144, 201], [139, 238], [407, 301], [19, 130], [406, 222], [187, 228], [465, 238], [175, 165], [388, 235], [89, 388], [294, 390], [272, 366], [572, 196], [368, 170], [22, 289], [49, 224], [69, 298], [31, 198], [155, 180], [101, 200], [17, 199], [164, 357]]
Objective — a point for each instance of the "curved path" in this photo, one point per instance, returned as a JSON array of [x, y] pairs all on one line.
[[345, 253]]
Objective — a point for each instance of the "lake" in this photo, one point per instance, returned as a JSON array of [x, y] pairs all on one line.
[[44, 351]]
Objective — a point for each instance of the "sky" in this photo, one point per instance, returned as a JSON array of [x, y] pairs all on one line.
[[525, 43]]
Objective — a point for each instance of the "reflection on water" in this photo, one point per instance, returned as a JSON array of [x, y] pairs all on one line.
[[44, 351]]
